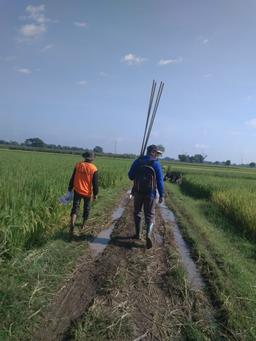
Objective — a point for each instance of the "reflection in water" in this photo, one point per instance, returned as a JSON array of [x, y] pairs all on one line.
[[159, 239], [118, 213], [99, 243], [193, 273]]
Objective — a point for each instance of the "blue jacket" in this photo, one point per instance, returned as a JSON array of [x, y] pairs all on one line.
[[158, 169]]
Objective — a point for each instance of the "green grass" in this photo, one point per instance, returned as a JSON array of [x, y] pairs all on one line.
[[214, 170], [28, 284], [35, 254], [30, 185], [29, 279], [227, 261], [235, 197]]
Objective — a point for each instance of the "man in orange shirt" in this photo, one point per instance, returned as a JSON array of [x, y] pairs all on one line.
[[84, 182]]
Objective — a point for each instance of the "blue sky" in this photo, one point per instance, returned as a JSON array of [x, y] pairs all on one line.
[[79, 73]]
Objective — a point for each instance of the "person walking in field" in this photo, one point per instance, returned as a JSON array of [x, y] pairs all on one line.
[[84, 182], [147, 174]]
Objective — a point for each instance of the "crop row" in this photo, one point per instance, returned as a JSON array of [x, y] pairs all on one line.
[[235, 197], [30, 185]]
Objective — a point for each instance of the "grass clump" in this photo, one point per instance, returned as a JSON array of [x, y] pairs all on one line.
[[226, 259], [102, 324], [27, 284]]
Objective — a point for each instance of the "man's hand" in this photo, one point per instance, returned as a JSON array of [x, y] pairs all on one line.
[[160, 200], [94, 197]]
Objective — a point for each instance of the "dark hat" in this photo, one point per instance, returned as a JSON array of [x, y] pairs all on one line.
[[153, 148], [89, 156]]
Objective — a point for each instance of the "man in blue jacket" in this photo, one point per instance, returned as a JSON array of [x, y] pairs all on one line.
[[147, 174]]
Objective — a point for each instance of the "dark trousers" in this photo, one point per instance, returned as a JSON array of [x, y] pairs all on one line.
[[76, 205], [148, 203]]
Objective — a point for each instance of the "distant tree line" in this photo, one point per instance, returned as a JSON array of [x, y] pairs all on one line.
[[38, 144], [197, 158]]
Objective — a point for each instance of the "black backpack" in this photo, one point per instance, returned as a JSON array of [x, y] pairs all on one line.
[[145, 178]]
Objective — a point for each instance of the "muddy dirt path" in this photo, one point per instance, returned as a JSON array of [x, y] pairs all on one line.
[[134, 290]]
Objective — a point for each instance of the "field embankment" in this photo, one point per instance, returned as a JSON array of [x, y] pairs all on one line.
[[216, 212]]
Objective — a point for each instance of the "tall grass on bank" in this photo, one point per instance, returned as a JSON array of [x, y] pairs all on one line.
[[30, 185], [212, 170], [235, 197], [238, 205]]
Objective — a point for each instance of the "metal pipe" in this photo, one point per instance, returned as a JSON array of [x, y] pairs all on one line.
[[153, 114], [151, 123], [148, 115]]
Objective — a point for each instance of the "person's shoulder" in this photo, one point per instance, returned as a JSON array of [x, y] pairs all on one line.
[[157, 164], [145, 158], [93, 167], [138, 160]]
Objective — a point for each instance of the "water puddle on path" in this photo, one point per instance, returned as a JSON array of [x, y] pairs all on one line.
[[99, 243], [194, 275], [159, 239]]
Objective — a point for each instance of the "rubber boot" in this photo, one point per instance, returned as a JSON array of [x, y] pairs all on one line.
[[138, 231], [137, 221], [149, 243], [84, 224], [72, 225]]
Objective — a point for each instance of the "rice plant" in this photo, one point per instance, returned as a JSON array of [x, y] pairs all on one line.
[[30, 185], [234, 195]]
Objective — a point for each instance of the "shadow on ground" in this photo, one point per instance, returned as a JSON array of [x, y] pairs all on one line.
[[64, 235], [126, 242]]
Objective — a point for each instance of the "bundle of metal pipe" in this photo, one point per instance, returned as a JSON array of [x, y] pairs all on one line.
[[151, 114]]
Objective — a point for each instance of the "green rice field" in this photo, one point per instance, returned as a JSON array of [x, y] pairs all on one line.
[[30, 185], [232, 190], [214, 207]]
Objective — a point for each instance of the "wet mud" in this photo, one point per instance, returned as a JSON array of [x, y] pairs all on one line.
[[144, 298], [193, 273]]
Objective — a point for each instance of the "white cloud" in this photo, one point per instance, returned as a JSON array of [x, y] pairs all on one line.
[[170, 61], [203, 40], [36, 13], [208, 75], [37, 25], [82, 24], [251, 123], [82, 82], [24, 71], [132, 59], [47, 47], [32, 31], [201, 146]]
